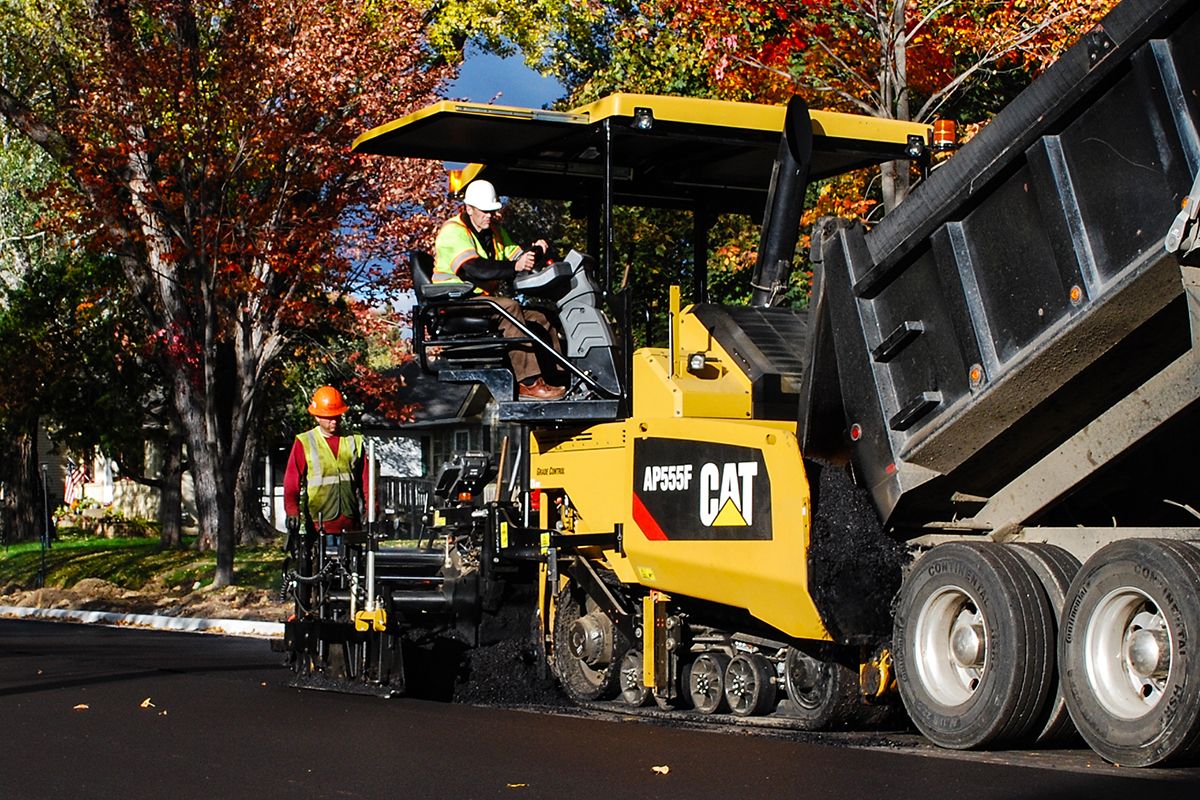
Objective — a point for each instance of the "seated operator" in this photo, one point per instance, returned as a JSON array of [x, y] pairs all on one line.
[[473, 247]]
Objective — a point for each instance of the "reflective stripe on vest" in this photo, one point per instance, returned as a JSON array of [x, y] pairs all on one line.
[[457, 244], [330, 478]]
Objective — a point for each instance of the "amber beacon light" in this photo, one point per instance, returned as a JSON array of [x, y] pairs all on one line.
[[945, 135]]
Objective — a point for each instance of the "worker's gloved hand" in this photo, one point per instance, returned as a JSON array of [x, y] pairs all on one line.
[[293, 525], [541, 253]]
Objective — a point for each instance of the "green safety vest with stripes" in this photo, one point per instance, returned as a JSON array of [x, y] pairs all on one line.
[[457, 244], [330, 479]]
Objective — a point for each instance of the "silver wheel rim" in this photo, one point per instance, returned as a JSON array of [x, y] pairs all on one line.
[[807, 680], [632, 691], [706, 684], [741, 684], [951, 644], [1127, 653]]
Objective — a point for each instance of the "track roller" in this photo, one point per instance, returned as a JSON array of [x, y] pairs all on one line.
[[633, 688], [706, 682], [750, 685]]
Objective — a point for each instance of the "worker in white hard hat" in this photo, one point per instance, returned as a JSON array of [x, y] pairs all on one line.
[[472, 247]]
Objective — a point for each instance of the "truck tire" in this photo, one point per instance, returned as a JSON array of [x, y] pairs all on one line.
[[581, 682], [1055, 569], [1131, 676], [822, 687], [973, 646]]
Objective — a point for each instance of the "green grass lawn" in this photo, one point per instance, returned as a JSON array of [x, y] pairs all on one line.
[[131, 564]]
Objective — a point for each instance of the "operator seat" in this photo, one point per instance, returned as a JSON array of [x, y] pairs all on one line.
[[442, 303], [421, 265], [455, 336], [454, 323]]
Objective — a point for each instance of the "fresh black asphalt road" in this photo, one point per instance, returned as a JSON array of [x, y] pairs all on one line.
[[90, 712]]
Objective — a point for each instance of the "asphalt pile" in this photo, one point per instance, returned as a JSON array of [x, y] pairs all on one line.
[[854, 568], [507, 668]]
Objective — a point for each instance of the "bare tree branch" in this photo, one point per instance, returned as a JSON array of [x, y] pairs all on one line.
[[921, 23], [991, 56], [24, 119]]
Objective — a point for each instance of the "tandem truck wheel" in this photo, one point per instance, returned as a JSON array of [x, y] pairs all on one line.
[[973, 641], [1127, 651], [1055, 568]]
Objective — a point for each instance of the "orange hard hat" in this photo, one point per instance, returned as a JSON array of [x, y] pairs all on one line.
[[327, 402]]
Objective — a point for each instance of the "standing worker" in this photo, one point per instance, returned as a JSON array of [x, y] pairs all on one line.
[[328, 468], [472, 247]]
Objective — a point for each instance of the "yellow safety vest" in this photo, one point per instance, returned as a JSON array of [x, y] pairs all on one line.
[[457, 244], [330, 477]]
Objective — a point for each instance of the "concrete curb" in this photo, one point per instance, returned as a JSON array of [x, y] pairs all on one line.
[[226, 627]]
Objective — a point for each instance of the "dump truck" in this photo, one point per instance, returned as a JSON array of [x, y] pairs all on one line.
[[961, 476]]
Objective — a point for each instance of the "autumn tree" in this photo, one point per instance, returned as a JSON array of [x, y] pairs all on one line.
[[206, 146], [70, 359], [108, 396], [909, 60]]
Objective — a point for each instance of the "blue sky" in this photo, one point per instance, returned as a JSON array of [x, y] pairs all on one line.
[[507, 81]]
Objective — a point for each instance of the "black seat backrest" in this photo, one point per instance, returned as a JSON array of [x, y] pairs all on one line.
[[421, 264]]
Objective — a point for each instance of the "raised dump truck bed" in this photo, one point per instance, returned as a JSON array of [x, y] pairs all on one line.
[[1024, 292], [1014, 357]]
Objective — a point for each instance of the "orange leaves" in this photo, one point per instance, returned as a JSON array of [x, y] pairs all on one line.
[[846, 54]]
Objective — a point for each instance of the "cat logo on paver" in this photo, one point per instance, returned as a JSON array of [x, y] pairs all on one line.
[[688, 490], [727, 494]]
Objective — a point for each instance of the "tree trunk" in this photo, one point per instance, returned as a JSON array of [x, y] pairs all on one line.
[[253, 528], [214, 498], [895, 180], [171, 483], [214, 507], [24, 511]]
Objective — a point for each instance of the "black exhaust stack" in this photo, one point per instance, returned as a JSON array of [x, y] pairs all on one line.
[[785, 204]]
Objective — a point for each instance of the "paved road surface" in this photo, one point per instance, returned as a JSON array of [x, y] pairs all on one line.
[[222, 724]]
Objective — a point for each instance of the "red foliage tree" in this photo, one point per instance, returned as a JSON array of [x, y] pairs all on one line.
[[207, 146]]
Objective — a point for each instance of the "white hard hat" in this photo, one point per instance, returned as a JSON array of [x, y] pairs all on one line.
[[482, 195]]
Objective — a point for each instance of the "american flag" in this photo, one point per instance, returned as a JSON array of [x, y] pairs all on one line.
[[76, 477]]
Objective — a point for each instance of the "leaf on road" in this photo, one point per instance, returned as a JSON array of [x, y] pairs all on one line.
[[663, 770], [82, 707], [147, 704]]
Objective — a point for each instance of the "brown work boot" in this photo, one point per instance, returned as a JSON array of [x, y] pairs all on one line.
[[540, 390]]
